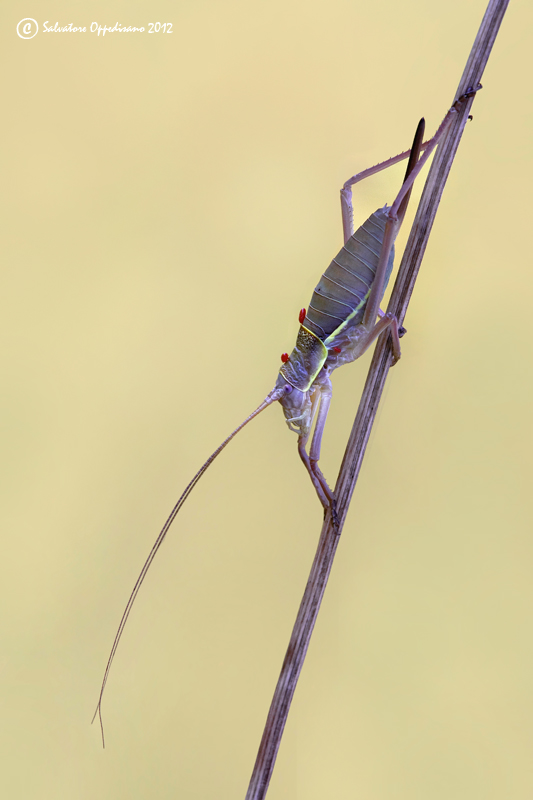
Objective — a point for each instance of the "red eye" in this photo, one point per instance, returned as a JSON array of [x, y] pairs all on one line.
[[301, 316], [337, 349], [284, 357]]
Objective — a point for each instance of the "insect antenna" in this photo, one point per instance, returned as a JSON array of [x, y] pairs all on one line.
[[274, 395]]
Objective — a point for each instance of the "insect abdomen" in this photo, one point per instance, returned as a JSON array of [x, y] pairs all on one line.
[[343, 289]]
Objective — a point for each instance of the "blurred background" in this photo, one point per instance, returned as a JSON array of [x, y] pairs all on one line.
[[170, 201]]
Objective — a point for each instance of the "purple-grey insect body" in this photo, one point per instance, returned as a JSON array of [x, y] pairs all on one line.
[[331, 333]]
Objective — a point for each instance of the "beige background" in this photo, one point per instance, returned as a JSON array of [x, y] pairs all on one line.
[[169, 203]]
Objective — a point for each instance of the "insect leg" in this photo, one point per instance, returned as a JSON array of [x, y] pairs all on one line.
[[302, 440], [387, 320], [346, 191], [325, 495], [395, 210], [314, 451]]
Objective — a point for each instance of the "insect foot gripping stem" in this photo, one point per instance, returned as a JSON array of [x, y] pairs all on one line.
[[470, 92], [334, 517]]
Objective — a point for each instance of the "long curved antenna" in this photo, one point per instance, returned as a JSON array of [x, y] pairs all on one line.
[[274, 395]]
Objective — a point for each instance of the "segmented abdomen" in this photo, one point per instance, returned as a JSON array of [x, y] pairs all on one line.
[[343, 289]]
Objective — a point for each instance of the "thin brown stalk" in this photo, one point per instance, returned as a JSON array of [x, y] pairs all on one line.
[[368, 405]]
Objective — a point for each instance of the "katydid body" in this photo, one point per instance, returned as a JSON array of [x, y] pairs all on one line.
[[342, 321], [334, 331]]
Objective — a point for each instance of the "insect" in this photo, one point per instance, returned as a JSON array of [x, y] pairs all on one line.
[[343, 319]]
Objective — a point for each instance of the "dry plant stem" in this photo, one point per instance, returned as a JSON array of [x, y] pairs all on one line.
[[375, 382]]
